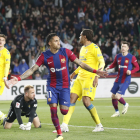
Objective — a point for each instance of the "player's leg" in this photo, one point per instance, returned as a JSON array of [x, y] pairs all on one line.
[[119, 97], [7, 123], [75, 94], [114, 99], [52, 100], [36, 121], [88, 94]]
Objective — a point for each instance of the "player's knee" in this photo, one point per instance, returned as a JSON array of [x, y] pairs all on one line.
[[63, 111], [86, 101]]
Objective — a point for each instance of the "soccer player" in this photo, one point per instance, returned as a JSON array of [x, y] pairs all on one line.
[[125, 62], [85, 84], [4, 66], [23, 105], [56, 59]]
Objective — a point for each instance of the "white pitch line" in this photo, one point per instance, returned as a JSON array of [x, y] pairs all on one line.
[[112, 106], [93, 127]]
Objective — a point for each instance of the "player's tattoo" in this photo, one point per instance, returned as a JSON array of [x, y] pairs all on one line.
[[29, 72], [83, 65]]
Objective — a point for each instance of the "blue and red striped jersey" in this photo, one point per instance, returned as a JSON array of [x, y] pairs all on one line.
[[128, 62], [58, 66]]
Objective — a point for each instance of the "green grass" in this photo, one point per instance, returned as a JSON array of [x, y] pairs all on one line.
[[81, 117]]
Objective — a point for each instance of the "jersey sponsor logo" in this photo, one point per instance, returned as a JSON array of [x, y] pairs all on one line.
[[7, 59], [126, 61], [63, 60], [52, 69], [61, 69], [49, 62], [17, 104], [120, 66], [35, 105]]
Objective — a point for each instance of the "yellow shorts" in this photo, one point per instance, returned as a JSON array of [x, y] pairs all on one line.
[[84, 88], [2, 85]]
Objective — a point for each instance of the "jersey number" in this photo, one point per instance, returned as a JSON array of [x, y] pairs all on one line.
[[50, 94]]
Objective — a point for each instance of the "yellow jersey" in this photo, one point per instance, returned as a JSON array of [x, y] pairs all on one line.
[[90, 55], [4, 59]]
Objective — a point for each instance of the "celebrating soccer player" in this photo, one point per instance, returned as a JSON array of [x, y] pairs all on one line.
[[4, 66], [125, 62], [84, 86], [56, 59], [23, 105]]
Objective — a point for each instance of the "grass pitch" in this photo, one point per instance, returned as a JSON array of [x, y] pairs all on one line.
[[125, 127]]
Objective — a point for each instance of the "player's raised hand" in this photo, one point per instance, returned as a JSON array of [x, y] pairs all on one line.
[[7, 83], [128, 72], [101, 73], [11, 82], [72, 75]]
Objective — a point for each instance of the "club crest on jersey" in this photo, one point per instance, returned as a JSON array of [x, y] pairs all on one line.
[[126, 61], [63, 60], [86, 51], [0, 54], [28, 106], [49, 100]]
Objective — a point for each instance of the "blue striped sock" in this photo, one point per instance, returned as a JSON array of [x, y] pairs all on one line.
[[90, 107]]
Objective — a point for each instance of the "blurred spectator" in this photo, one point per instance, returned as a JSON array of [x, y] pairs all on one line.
[[66, 44], [23, 67]]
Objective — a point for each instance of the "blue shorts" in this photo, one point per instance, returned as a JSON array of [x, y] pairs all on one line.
[[119, 88], [58, 95]]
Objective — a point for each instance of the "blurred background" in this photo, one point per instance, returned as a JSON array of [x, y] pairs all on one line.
[[26, 23]]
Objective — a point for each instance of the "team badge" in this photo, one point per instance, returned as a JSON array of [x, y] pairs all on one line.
[[49, 100], [126, 61], [63, 60], [86, 51], [0, 54], [28, 106]]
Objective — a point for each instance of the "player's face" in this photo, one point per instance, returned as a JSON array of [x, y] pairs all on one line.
[[55, 43], [2, 41], [31, 94], [124, 48], [82, 38]]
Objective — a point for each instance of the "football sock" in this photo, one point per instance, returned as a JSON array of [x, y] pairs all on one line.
[[115, 104], [93, 113], [122, 101], [63, 111], [55, 120], [67, 117]]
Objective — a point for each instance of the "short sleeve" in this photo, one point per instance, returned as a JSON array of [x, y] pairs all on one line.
[[7, 57], [71, 55], [97, 52], [40, 60]]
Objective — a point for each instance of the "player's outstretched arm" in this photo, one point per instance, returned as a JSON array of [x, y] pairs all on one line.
[[26, 74], [88, 68]]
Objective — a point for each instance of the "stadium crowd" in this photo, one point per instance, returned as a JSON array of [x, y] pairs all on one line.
[[26, 23]]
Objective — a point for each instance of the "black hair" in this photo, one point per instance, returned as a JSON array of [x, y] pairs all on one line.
[[125, 42], [50, 36], [88, 33]]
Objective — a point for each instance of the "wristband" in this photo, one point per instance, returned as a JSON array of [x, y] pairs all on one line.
[[94, 71], [19, 79]]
